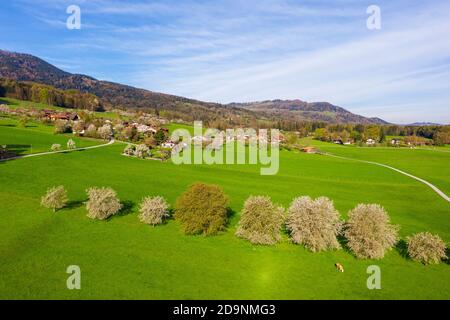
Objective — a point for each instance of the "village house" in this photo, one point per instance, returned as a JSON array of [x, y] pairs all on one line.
[[53, 116], [143, 128], [370, 142], [58, 116], [416, 141], [79, 132]]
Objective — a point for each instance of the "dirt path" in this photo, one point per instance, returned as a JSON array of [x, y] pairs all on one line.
[[60, 151], [435, 189]]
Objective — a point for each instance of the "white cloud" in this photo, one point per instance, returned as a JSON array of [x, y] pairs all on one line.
[[242, 51]]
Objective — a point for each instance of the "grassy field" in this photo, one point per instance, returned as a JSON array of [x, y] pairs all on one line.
[[430, 164], [174, 126], [35, 137], [122, 258]]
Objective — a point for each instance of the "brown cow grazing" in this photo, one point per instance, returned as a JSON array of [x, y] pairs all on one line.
[[340, 267]]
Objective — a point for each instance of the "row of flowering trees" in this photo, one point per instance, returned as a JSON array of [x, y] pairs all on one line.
[[313, 223], [142, 151], [103, 203]]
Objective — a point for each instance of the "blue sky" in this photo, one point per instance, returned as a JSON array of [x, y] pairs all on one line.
[[225, 51]]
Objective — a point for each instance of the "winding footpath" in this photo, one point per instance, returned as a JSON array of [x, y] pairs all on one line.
[[60, 151], [435, 189]]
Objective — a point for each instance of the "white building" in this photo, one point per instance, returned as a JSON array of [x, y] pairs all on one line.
[[199, 139], [142, 128]]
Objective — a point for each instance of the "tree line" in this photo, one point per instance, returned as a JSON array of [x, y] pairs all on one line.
[[314, 223], [39, 93], [436, 134]]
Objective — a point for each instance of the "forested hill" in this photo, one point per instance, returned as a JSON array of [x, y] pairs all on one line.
[[41, 93], [25, 67], [313, 111]]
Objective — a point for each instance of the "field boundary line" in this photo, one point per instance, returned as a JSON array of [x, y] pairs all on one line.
[[60, 151], [433, 187]]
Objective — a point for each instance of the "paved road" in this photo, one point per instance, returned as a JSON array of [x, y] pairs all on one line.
[[61, 151], [435, 189]]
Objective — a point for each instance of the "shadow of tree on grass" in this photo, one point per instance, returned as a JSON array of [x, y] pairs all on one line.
[[127, 208], [75, 204], [344, 244], [402, 249], [13, 150], [231, 214]]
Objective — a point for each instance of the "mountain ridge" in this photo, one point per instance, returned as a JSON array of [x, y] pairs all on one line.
[[425, 124], [27, 67], [319, 111]]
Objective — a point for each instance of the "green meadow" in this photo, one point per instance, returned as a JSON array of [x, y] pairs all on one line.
[[431, 164], [35, 137], [122, 258]]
